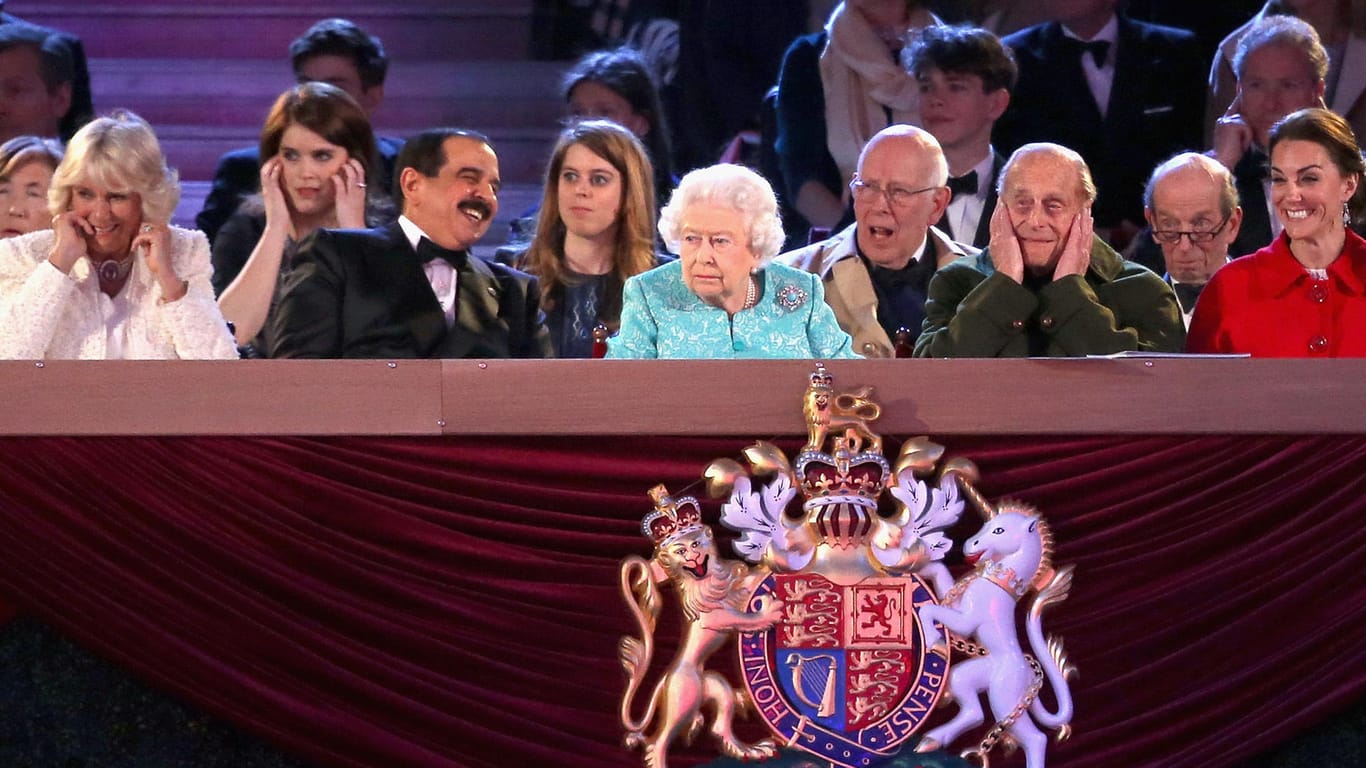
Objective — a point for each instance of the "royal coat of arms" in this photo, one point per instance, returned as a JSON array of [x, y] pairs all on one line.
[[842, 609]]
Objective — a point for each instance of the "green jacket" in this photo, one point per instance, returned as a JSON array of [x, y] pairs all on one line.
[[1118, 306]]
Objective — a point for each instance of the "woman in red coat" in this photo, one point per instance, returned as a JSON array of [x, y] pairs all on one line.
[[1305, 294]]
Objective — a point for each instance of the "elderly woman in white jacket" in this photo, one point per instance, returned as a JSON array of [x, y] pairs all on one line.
[[112, 278]]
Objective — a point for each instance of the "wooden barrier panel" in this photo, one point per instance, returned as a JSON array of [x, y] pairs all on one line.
[[683, 397]]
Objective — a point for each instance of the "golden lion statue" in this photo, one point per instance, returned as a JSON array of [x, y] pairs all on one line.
[[828, 413], [712, 593]]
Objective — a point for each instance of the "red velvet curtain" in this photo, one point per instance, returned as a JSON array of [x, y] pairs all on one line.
[[453, 602]]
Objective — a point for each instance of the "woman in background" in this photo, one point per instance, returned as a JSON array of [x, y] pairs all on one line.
[[26, 167], [836, 89], [595, 229], [616, 85]]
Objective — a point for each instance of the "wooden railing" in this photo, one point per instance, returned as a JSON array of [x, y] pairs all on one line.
[[609, 397]]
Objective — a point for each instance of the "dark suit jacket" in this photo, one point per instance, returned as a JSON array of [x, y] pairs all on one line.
[[362, 293], [1156, 108], [1248, 175], [238, 176]]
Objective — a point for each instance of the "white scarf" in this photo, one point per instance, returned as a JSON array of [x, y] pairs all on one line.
[[861, 82]]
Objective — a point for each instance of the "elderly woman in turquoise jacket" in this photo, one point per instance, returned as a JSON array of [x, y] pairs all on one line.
[[723, 298]]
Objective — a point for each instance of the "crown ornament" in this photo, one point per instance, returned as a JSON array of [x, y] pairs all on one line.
[[671, 517], [842, 616], [841, 471]]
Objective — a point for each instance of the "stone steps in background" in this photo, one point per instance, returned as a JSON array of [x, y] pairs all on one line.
[[413, 30], [205, 74], [203, 108]]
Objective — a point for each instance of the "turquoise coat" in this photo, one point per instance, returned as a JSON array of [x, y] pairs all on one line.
[[662, 318]]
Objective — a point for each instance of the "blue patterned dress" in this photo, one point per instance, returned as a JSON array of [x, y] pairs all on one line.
[[662, 318]]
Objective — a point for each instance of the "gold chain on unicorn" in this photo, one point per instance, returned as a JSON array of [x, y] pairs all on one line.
[[1013, 555]]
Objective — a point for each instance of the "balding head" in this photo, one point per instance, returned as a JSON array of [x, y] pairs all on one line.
[[1044, 187], [902, 172], [916, 144], [1193, 168], [1045, 155], [1192, 197]]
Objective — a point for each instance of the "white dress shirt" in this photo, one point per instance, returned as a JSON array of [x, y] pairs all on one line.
[[440, 273], [964, 213], [1100, 79]]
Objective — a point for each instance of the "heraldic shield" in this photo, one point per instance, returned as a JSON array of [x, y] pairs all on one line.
[[846, 674], [844, 613]]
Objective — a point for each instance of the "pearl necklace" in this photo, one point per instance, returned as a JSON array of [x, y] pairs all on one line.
[[751, 294]]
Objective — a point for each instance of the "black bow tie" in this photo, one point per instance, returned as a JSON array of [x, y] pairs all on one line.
[[427, 251], [1187, 294], [963, 185], [1098, 49]]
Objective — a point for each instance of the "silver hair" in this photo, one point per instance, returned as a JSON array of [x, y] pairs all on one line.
[[1218, 174], [1282, 30], [1088, 185], [731, 186]]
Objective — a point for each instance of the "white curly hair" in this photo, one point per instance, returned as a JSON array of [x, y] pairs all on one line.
[[730, 186]]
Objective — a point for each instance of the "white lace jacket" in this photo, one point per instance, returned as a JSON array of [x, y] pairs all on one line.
[[45, 314]]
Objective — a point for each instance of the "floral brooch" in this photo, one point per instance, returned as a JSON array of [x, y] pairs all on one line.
[[790, 297]]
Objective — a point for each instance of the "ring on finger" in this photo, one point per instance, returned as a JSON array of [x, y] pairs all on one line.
[[146, 227], [359, 184]]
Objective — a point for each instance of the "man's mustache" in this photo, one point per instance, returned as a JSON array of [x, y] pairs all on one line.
[[477, 206]]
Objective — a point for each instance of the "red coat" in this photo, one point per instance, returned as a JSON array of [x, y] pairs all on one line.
[[1267, 305]]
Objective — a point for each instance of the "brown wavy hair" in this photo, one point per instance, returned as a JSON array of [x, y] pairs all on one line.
[[331, 113], [635, 246]]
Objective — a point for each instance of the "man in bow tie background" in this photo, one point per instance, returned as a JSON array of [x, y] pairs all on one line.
[[1192, 207], [965, 77], [411, 289], [1123, 93], [877, 270]]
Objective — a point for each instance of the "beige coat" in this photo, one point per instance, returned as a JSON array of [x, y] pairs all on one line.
[[849, 287]]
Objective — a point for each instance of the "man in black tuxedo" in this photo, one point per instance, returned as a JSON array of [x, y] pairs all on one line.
[[411, 289], [79, 109], [965, 77], [1123, 93], [334, 51]]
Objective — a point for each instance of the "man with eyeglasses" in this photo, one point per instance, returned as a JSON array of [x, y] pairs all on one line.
[[1047, 286], [877, 270], [1192, 207]]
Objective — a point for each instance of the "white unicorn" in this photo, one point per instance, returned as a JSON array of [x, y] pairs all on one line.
[[1013, 554]]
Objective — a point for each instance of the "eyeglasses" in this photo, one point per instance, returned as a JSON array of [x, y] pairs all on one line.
[[1172, 236], [897, 197]]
